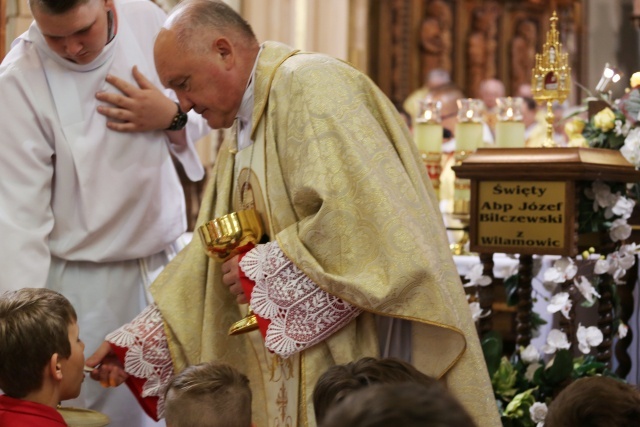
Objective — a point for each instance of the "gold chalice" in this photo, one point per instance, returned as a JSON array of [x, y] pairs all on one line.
[[225, 237]]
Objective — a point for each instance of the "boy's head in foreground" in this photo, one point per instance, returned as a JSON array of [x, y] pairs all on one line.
[[341, 380], [208, 395], [40, 348]]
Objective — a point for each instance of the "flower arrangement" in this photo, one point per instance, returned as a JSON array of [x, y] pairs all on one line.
[[614, 127], [528, 381]]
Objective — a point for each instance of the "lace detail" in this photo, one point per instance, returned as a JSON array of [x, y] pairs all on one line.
[[301, 313], [147, 355]]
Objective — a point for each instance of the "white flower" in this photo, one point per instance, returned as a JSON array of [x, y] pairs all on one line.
[[622, 330], [563, 269], [560, 302], [623, 207], [531, 370], [538, 412], [477, 312], [588, 337], [617, 263], [507, 270], [476, 278], [619, 230], [622, 128], [631, 148], [529, 354], [586, 289], [601, 195], [556, 340], [602, 266], [631, 249]]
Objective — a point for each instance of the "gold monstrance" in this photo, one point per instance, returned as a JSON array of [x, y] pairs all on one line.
[[551, 79]]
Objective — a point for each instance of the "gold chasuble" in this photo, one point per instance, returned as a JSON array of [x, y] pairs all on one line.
[[348, 200]]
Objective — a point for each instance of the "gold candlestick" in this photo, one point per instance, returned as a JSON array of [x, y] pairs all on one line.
[[551, 76]]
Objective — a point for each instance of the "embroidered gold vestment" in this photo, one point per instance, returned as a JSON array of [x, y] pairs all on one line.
[[351, 205]]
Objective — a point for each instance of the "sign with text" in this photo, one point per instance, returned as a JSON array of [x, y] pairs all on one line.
[[521, 217]]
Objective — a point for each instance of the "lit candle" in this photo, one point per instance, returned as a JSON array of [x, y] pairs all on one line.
[[510, 128], [469, 127], [428, 137]]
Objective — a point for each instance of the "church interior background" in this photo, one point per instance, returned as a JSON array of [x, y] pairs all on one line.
[[396, 42]]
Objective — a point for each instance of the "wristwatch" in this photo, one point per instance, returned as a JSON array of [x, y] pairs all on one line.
[[179, 120]]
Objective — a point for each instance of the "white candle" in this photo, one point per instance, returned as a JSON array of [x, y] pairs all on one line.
[[468, 136], [510, 134]]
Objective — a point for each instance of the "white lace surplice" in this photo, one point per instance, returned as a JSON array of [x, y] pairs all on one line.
[[147, 354], [301, 315]]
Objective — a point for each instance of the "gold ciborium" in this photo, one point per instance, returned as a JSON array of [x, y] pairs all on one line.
[[227, 236]]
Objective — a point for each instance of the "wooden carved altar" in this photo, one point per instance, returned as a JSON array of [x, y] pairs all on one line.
[[472, 39]]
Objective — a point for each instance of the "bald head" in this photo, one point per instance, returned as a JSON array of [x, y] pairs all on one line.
[[195, 22], [206, 53], [490, 90]]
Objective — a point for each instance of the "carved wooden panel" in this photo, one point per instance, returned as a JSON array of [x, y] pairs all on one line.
[[472, 39]]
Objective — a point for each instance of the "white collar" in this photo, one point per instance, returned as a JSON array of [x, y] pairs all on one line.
[[246, 109]]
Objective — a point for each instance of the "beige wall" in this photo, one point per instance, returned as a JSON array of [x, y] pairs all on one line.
[[18, 20], [335, 27]]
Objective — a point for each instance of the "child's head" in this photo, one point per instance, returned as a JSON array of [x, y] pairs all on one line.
[[209, 394], [39, 337], [595, 402], [406, 404], [340, 380]]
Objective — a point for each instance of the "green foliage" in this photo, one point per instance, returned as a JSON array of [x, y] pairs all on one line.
[[492, 350], [515, 393]]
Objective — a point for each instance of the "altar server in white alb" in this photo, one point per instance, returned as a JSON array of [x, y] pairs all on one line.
[[90, 201]]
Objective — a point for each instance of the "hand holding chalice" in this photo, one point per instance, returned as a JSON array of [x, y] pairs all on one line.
[[228, 236]]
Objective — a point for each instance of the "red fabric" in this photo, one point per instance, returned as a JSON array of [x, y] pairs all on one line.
[[247, 287], [135, 384], [22, 413]]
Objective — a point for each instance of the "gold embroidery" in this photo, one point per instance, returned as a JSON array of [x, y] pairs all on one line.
[[283, 368]]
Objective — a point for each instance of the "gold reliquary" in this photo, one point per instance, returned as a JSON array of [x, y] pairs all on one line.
[[551, 76]]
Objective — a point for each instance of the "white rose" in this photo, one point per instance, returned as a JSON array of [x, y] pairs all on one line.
[[538, 412], [631, 148]]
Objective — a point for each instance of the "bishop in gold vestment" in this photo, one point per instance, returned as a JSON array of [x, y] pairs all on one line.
[[349, 203]]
